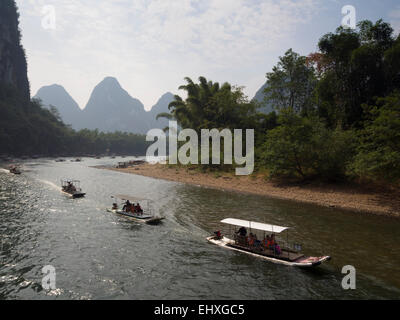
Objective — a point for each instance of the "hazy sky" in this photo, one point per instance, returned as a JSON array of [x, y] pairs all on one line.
[[151, 45]]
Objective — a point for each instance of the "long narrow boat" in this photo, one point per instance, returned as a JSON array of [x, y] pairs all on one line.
[[287, 255], [144, 216]]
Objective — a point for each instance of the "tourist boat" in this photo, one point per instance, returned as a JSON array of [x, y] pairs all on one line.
[[122, 165], [15, 170], [145, 216], [287, 254], [72, 188]]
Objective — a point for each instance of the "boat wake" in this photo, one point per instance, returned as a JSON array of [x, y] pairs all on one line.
[[51, 184], [4, 170]]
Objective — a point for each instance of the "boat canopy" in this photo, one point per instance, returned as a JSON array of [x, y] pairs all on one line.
[[131, 198], [255, 225], [66, 181]]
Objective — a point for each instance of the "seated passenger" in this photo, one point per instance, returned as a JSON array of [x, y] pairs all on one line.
[[267, 241], [115, 206], [242, 231], [271, 241], [257, 243], [127, 206], [139, 209], [251, 239], [218, 235], [277, 249]]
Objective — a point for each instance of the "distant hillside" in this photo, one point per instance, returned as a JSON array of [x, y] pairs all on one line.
[[160, 107], [111, 108], [56, 95], [260, 97]]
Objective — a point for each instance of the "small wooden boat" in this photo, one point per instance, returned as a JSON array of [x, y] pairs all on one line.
[[122, 165], [15, 170], [267, 250], [143, 215], [72, 188]]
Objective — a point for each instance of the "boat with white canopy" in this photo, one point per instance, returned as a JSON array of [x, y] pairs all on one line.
[[243, 237], [72, 188], [139, 209]]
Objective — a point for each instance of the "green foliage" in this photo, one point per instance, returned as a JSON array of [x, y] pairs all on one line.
[[210, 105], [291, 83], [392, 66], [304, 148], [287, 150], [379, 150], [356, 71], [338, 135]]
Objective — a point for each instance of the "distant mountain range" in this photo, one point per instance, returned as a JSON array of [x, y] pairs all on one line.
[[111, 108]]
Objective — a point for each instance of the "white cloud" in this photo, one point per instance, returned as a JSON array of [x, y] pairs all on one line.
[[151, 45]]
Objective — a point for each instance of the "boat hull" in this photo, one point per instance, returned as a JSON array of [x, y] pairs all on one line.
[[76, 195], [138, 218], [304, 262]]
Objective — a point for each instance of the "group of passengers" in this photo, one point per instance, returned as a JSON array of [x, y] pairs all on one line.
[[70, 187], [269, 242], [132, 208]]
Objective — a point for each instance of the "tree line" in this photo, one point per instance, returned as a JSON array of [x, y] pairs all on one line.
[[336, 111]]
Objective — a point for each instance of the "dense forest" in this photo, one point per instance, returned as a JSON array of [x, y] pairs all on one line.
[[337, 111]]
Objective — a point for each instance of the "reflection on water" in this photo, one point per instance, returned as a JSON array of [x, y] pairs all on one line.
[[98, 255]]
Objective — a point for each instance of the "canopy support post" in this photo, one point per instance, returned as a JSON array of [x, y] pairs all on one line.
[[288, 245]]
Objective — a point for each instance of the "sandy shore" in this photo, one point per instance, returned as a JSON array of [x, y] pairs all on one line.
[[354, 198]]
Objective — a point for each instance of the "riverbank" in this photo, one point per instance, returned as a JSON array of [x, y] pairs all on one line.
[[354, 198]]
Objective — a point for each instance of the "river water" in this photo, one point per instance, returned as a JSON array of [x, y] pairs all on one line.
[[99, 255]]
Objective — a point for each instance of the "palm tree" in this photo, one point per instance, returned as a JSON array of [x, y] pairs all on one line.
[[199, 109]]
